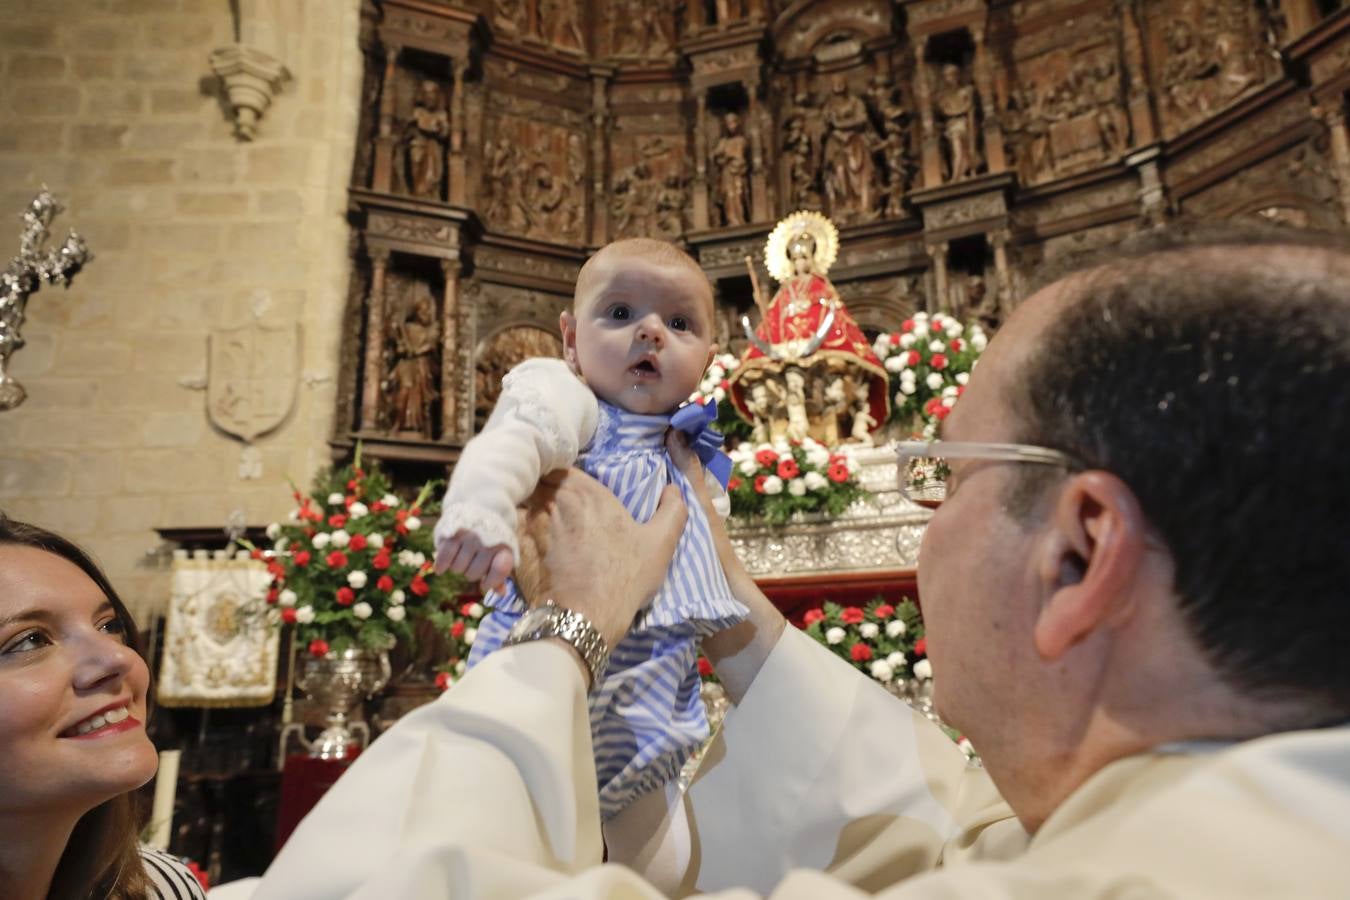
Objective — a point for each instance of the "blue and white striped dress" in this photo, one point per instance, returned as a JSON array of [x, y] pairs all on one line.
[[646, 716]]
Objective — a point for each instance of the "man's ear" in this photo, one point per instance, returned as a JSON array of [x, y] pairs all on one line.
[[567, 324], [1088, 561]]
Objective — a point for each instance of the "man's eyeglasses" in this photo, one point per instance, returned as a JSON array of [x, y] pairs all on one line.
[[922, 469]]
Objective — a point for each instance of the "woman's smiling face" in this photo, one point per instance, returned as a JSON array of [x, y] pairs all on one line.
[[72, 692]]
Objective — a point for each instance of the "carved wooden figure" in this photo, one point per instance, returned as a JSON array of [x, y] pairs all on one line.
[[733, 185], [425, 136], [955, 103]]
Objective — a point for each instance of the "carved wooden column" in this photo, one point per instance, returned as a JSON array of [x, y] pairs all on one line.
[[931, 155], [450, 354], [938, 254], [701, 162], [999, 240], [1332, 115], [375, 327], [384, 144], [458, 173], [1143, 127], [994, 156], [759, 184], [599, 154]]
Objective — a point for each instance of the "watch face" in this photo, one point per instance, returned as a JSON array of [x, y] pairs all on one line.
[[532, 620]]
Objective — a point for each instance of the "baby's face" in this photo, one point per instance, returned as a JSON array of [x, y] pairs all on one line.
[[642, 334]]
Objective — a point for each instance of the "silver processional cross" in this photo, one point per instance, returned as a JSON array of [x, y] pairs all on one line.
[[32, 268]]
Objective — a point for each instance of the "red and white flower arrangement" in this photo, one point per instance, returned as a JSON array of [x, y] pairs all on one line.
[[881, 640], [352, 565], [774, 481], [929, 360], [460, 625], [716, 388]]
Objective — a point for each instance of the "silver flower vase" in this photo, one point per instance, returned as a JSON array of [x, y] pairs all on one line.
[[336, 682]]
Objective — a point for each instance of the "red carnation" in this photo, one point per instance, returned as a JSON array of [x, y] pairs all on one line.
[[318, 647], [895, 339], [336, 560], [852, 615], [942, 412], [734, 483], [837, 472], [907, 325], [957, 345], [788, 469], [724, 384], [272, 596], [348, 501], [860, 652], [255, 554], [419, 586], [913, 358], [813, 616], [301, 558], [277, 571], [358, 542], [382, 560], [288, 615], [416, 511], [921, 647], [457, 629], [938, 362], [766, 458], [345, 596], [337, 520], [377, 507], [933, 405], [385, 583], [704, 667], [443, 680], [759, 483], [884, 611]]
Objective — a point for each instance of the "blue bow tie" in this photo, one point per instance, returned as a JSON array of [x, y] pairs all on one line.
[[695, 420]]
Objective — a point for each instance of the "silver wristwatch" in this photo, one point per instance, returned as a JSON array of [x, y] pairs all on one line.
[[549, 621]]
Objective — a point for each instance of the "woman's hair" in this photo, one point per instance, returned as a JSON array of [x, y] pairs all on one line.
[[101, 858]]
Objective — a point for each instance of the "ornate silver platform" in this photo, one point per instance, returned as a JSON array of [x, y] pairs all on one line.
[[878, 533]]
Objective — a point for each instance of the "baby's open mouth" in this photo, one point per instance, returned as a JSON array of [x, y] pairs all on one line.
[[645, 366]]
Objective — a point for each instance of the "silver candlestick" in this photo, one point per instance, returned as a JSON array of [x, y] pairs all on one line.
[[32, 268]]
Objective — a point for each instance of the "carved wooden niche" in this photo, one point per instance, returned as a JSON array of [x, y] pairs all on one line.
[[649, 187], [534, 176], [638, 30], [409, 362], [502, 351], [561, 24]]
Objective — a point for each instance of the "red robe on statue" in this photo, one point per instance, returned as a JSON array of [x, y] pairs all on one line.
[[792, 319]]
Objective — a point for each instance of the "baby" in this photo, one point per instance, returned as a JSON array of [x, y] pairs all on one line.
[[636, 344]]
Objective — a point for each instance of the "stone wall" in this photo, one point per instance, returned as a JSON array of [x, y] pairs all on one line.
[[112, 104]]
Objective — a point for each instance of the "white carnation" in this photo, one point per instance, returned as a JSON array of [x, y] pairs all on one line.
[[923, 670], [869, 630], [818, 456], [949, 402], [748, 466], [773, 485], [895, 364], [375, 540], [882, 348], [287, 597], [279, 547], [293, 515], [949, 391], [937, 346], [907, 388], [897, 660], [460, 667], [979, 341], [341, 538], [469, 635], [396, 613], [815, 481], [358, 510], [476, 610], [834, 635], [934, 381], [321, 540], [906, 341], [895, 628], [357, 579], [362, 610], [390, 500], [304, 615], [397, 597], [962, 377], [719, 395], [412, 523], [881, 671], [273, 531], [336, 499], [407, 558], [796, 487], [920, 329]]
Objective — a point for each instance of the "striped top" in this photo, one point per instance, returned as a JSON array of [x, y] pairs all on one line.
[[646, 714], [169, 878]]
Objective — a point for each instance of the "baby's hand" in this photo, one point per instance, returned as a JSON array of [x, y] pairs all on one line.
[[465, 555]]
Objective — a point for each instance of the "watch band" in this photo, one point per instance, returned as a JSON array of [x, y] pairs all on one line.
[[551, 620]]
